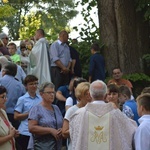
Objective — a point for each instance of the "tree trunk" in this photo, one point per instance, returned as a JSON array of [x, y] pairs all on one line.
[[124, 34]]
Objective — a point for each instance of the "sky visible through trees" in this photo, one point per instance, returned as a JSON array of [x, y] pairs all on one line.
[[79, 21], [76, 21]]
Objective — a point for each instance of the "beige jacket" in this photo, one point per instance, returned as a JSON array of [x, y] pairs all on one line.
[[4, 130]]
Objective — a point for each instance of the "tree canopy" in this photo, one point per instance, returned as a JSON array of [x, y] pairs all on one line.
[[51, 15], [134, 33]]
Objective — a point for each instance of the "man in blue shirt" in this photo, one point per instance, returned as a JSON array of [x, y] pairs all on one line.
[[60, 61], [15, 89], [97, 65], [20, 75]]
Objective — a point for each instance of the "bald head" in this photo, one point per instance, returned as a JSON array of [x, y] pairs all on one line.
[[98, 90], [63, 36]]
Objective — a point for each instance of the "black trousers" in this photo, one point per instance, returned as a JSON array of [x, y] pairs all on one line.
[[22, 142], [15, 123], [59, 78]]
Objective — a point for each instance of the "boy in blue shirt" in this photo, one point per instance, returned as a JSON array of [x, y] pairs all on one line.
[[22, 108], [129, 105]]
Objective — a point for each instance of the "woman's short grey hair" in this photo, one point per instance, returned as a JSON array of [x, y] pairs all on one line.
[[45, 85], [3, 35], [3, 60], [98, 89]]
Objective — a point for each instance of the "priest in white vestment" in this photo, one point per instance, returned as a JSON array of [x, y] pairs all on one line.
[[99, 126], [40, 59]]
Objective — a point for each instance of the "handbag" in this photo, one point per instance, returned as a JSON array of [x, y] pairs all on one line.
[[47, 142]]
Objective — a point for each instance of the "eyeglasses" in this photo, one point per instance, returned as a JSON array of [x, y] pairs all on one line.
[[5, 38], [49, 92], [3, 97]]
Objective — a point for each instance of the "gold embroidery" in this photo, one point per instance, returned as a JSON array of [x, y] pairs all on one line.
[[98, 128], [98, 132], [98, 136]]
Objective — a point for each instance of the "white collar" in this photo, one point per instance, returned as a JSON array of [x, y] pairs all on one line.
[[60, 42], [144, 117], [98, 102]]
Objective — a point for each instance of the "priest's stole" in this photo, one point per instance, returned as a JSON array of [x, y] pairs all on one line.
[[98, 132]]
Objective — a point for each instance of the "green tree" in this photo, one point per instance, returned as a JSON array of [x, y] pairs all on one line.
[[53, 14], [5, 11], [29, 24], [124, 31], [125, 34], [89, 34], [144, 6]]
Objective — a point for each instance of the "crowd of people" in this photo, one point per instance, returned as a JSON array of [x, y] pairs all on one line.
[[45, 104]]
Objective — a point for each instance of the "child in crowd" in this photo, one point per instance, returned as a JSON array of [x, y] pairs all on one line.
[[129, 105], [24, 57], [12, 48], [142, 134], [22, 108], [146, 90]]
